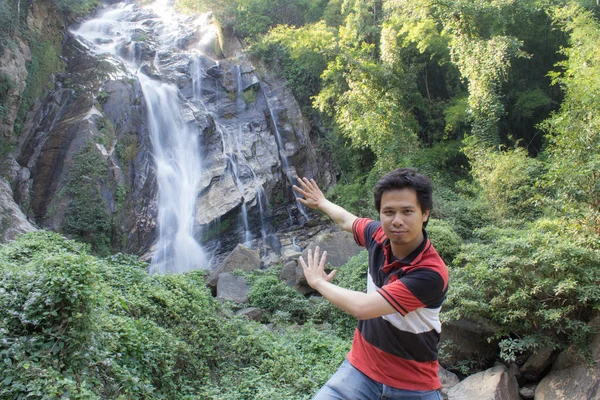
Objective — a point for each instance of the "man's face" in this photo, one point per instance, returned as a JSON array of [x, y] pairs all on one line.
[[402, 220]]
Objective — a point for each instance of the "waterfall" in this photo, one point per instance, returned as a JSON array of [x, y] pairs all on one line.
[[182, 87], [177, 157], [175, 145]]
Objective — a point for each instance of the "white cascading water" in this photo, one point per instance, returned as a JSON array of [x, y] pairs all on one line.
[[175, 144], [177, 157], [176, 149]]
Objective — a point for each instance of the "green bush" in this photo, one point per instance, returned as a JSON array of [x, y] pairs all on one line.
[[509, 180], [78, 326], [538, 284], [444, 239], [290, 363], [88, 217], [271, 294]]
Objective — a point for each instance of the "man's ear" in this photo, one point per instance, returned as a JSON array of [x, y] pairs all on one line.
[[426, 215]]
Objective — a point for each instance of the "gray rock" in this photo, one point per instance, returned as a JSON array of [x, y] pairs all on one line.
[[13, 64], [463, 339], [288, 273], [240, 258], [538, 363], [494, 384], [340, 246], [571, 376], [12, 220], [527, 392], [253, 313], [580, 382], [514, 370], [448, 380], [571, 357], [231, 287]]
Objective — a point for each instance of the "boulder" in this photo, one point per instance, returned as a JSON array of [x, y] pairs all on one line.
[[288, 273], [240, 258], [12, 220], [448, 380], [463, 339], [231, 287], [571, 376], [253, 313], [578, 382], [538, 364], [340, 246], [494, 384]]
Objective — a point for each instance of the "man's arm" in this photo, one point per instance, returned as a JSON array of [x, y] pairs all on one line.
[[312, 197], [361, 305]]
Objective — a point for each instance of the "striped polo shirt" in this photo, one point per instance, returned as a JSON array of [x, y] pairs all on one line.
[[400, 349]]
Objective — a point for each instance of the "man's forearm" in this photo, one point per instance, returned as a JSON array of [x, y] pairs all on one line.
[[338, 214], [360, 305]]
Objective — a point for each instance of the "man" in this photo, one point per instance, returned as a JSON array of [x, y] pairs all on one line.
[[394, 351]]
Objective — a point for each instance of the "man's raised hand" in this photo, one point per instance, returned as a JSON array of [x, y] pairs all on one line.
[[314, 268], [312, 197]]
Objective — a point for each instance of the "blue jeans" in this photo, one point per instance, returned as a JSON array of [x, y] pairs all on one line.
[[348, 383]]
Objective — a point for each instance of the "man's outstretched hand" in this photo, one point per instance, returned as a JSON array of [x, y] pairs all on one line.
[[314, 268], [312, 197]]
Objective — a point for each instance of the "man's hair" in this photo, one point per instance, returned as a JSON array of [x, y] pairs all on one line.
[[405, 178]]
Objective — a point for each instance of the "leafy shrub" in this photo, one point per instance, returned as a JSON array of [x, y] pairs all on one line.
[[538, 283], [271, 294], [77, 326], [88, 217], [508, 180], [444, 239], [290, 363]]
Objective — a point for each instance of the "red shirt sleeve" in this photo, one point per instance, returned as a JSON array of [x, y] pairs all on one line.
[[358, 229]]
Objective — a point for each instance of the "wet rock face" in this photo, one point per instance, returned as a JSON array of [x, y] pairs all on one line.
[[253, 141]]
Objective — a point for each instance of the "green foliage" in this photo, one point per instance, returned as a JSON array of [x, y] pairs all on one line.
[[299, 54], [48, 294], [290, 363], [574, 140], [509, 180], [6, 85], [74, 325], [88, 217], [353, 276], [76, 8], [444, 239], [44, 62], [8, 23], [539, 281], [356, 197], [271, 295]]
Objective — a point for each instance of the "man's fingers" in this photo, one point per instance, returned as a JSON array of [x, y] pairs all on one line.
[[316, 255], [304, 266], [323, 259], [331, 275]]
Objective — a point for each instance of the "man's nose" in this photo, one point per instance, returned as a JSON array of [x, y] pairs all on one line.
[[397, 221]]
